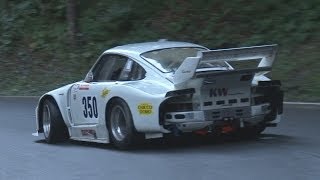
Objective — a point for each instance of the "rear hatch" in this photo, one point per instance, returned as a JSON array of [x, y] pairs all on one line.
[[217, 83], [225, 91]]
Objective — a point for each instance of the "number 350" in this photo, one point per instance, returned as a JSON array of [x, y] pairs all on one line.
[[90, 107]]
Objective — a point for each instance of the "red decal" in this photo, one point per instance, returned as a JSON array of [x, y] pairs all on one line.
[[84, 87]]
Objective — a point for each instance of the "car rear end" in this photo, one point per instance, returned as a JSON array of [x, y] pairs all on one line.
[[213, 96]]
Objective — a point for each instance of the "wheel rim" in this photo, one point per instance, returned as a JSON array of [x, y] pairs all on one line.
[[118, 123], [46, 121]]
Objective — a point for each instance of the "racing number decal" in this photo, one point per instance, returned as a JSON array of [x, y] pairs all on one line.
[[90, 107], [95, 108]]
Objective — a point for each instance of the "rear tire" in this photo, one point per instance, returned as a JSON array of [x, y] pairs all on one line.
[[54, 128], [120, 125]]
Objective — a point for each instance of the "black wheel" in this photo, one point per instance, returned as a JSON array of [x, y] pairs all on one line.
[[54, 128], [120, 125]]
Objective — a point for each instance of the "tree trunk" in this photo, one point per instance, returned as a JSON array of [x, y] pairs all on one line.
[[4, 5], [72, 21]]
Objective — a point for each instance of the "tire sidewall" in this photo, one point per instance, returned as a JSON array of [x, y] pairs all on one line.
[[58, 130], [128, 141]]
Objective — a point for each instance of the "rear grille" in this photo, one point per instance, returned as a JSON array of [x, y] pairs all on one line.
[[233, 101], [216, 114], [209, 103], [220, 102], [239, 112], [230, 101], [180, 107], [244, 100]]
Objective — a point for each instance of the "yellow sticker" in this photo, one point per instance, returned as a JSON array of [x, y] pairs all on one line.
[[105, 92], [145, 108]]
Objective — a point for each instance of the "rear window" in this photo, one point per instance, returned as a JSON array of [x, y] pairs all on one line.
[[168, 60]]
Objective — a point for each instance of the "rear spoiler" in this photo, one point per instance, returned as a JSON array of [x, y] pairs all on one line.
[[188, 68]]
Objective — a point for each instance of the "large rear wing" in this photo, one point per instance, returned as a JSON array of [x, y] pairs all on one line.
[[266, 54]]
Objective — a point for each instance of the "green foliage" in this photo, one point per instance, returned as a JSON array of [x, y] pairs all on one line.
[[35, 56]]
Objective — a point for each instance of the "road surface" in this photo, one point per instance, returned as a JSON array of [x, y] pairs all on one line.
[[290, 151]]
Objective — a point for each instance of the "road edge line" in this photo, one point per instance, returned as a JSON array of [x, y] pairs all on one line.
[[302, 103], [19, 97]]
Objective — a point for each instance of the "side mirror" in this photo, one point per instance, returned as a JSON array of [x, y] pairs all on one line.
[[89, 77]]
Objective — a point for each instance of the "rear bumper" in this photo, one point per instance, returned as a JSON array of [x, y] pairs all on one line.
[[195, 120]]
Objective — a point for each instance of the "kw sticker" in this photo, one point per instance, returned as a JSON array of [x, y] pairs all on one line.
[[218, 92], [105, 92], [145, 109]]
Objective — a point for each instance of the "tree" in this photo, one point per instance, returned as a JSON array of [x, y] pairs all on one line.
[[72, 21]]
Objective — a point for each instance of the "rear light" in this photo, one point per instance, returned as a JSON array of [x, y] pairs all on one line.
[[179, 116]]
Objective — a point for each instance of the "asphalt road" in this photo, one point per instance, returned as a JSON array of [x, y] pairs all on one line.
[[289, 151]]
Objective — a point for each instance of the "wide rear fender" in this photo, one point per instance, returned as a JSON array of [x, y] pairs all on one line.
[[58, 96]]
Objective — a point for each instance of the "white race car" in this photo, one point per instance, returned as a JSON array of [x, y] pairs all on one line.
[[146, 90]]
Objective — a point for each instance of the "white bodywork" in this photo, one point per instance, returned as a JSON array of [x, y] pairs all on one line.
[[144, 97]]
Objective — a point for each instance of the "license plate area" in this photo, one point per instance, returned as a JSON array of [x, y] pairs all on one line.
[[226, 126]]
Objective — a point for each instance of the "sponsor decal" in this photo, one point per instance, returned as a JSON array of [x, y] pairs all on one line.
[[209, 82], [75, 88], [84, 87], [105, 92], [145, 108], [88, 132], [218, 92]]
